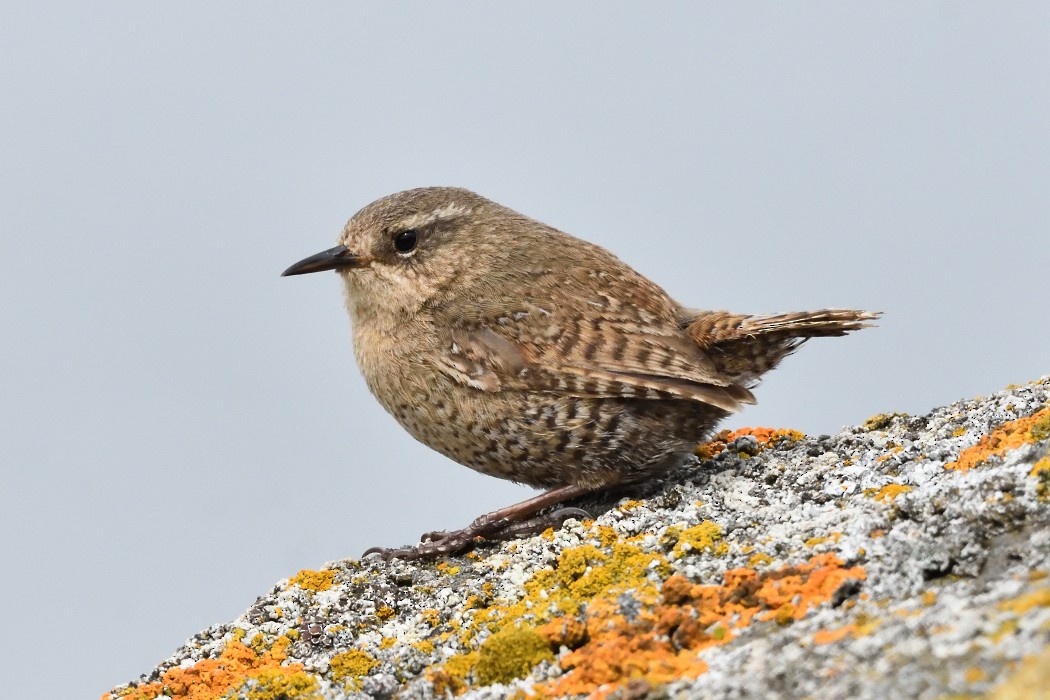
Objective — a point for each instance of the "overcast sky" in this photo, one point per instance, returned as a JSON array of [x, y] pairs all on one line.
[[181, 427]]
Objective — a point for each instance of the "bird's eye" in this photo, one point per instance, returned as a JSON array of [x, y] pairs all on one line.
[[405, 242]]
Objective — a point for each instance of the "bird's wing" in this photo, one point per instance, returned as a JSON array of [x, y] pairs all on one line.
[[608, 348]]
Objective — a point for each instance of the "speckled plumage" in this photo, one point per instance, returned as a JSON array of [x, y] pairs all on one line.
[[530, 355]]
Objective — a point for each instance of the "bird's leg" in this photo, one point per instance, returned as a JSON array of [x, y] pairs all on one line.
[[504, 523]]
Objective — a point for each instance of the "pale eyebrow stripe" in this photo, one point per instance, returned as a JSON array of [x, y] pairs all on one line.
[[449, 211]]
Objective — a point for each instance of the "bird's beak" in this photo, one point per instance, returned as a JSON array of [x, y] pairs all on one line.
[[337, 258]]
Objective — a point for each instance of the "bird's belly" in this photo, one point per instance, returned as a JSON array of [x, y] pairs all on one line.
[[546, 440]]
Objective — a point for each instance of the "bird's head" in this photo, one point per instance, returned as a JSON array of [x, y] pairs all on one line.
[[403, 251]]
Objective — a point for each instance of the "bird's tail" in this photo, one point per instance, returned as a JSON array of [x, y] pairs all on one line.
[[745, 347]]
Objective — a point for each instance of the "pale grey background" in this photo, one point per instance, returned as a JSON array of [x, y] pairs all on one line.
[[181, 427]]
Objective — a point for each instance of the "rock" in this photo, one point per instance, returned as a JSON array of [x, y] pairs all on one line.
[[907, 557]]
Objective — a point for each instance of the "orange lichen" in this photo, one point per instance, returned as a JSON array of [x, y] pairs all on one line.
[[235, 666], [659, 642], [975, 674], [796, 589], [889, 492], [569, 632], [313, 580], [1006, 437], [765, 437], [832, 636], [893, 449]]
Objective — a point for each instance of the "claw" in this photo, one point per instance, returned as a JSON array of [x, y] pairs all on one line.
[[563, 514]]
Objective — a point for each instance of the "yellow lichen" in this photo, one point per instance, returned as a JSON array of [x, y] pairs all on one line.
[[424, 645], [313, 580], [451, 678], [349, 666], [1023, 603], [385, 612], [1030, 682], [1040, 430], [258, 643], [510, 653], [882, 420], [699, 538], [280, 684]]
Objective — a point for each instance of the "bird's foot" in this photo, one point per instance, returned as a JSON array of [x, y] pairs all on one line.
[[444, 542], [506, 523], [490, 527]]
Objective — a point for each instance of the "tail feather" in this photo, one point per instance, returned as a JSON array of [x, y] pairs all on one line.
[[745, 347], [810, 324]]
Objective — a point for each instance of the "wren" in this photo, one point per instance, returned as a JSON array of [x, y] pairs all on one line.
[[528, 354]]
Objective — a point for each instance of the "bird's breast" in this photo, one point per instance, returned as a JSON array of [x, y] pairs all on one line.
[[396, 365]]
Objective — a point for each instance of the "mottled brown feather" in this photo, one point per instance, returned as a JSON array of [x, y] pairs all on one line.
[[629, 344]]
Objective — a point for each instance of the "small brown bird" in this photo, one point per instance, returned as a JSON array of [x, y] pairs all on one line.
[[527, 354]]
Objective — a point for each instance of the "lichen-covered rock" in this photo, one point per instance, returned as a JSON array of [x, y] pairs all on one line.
[[908, 557]]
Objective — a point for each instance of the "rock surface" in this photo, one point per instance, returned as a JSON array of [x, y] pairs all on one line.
[[907, 557]]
